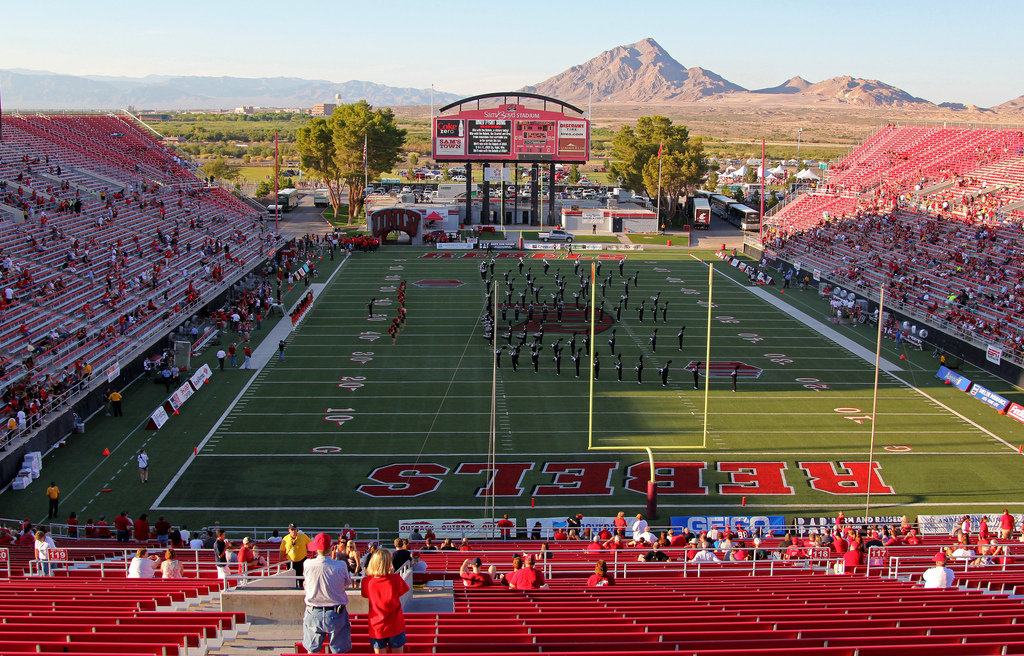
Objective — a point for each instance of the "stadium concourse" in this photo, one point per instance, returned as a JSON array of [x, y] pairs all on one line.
[[934, 212], [108, 241], [848, 590]]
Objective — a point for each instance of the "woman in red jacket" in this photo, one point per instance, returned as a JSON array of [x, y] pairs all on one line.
[[384, 589]]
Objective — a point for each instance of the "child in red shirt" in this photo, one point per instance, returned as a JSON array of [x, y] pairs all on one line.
[[384, 589]]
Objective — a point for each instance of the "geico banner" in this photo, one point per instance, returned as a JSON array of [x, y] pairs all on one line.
[[776, 524], [452, 528], [547, 525], [947, 524], [819, 524]]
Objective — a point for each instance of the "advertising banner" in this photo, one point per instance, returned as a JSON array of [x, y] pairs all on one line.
[[200, 377], [180, 396], [988, 396], [1016, 411], [955, 379], [994, 354], [775, 524], [113, 371], [804, 525], [449, 137], [452, 528], [547, 525], [157, 420], [947, 524], [572, 138]]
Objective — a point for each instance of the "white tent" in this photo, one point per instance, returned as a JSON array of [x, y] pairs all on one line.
[[741, 172], [807, 174], [778, 172]]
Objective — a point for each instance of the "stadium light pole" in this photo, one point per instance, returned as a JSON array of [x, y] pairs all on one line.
[[764, 175], [874, 398], [277, 176]]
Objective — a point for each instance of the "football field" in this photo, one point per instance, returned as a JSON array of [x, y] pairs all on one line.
[[352, 428]]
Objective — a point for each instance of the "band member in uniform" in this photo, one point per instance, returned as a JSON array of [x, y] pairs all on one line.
[[664, 374]]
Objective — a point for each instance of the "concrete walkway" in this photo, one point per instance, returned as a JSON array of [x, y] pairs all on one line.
[[268, 347]]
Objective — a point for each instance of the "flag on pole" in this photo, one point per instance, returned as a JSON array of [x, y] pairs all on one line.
[[660, 146], [364, 151]]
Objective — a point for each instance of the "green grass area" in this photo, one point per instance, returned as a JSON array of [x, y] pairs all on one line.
[[256, 174], [341, 220], [677, 239], [352, 428], [596, 239]]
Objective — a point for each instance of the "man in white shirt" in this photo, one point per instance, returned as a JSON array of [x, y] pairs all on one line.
[[639, 527], [705, 555], [939, 576], [186, 535], [325, 580]]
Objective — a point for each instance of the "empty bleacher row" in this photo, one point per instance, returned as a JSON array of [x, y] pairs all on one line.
[[109, 240]]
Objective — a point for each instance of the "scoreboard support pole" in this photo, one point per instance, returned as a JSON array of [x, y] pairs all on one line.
[[469, 193], [535, 195], [552, 220], [485, 203]]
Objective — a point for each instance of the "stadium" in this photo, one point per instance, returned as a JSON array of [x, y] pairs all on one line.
[[841, 388]]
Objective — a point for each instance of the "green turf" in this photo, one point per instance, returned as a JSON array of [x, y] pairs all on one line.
[[596, 239], [678, 239], [424, 403]]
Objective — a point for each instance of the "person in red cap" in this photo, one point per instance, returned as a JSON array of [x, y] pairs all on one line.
[[939, 576], [325, 580]]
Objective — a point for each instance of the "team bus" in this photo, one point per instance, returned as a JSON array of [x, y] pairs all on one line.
[[743, 217], [701, 214], [719, 203], [288, 199]]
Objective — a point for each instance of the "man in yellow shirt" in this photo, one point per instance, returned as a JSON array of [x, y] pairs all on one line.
[[294, 548], [115, 400], [53, 492]]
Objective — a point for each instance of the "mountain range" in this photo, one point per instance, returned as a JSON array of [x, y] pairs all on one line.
[[645, 72], [642, 72], [24, 89]]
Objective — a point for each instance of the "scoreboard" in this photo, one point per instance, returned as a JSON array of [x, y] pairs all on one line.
[[511, 133]]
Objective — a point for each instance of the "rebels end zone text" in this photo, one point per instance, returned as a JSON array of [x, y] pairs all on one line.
[[595, 478]]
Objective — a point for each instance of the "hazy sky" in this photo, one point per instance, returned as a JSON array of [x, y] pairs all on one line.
[[939, 50]]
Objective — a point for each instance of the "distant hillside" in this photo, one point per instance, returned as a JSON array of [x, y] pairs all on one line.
[[1015, 106], [42, 90], [641, 72]]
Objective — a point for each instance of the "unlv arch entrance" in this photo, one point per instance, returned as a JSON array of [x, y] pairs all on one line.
[[392, 219], [511, 128]]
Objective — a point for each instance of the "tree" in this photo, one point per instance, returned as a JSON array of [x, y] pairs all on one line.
[[414, 159], [712, 181], [574, 174], [315, 142], [738, 195], [352, 124], [332, 149], [750, 176], [683, 164], [219, 168], [263, 189]]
